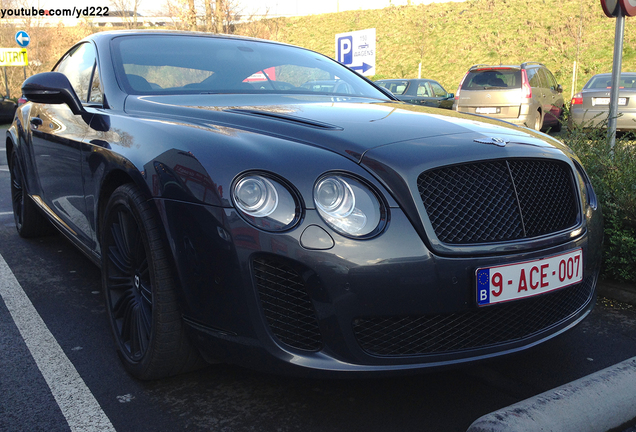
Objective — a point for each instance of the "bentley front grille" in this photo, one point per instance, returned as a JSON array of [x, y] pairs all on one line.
[[499, 200]]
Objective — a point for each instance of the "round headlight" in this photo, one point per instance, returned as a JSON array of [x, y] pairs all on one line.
[[265, 202], [348, 206], [256, 196], [335, 196]]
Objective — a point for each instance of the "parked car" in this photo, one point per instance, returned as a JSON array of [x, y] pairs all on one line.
[[590, 107], [419, 91], [7, 110], [329, 86], [289, 230], [526, 94]]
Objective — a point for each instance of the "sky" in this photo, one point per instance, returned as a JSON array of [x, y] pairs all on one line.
[[259, 7]]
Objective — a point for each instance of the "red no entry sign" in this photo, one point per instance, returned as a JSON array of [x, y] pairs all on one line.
[[611, 7], [629, 6]]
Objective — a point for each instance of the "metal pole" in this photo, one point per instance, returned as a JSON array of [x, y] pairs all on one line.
[[616, 74], [6, 82], [573, 80]]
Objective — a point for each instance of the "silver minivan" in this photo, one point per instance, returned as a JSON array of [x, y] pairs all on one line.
[[526, 94]]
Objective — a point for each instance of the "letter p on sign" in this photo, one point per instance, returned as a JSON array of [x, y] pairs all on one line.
[[345, 50]]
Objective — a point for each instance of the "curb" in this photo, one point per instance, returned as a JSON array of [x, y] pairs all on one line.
[[600, 402]]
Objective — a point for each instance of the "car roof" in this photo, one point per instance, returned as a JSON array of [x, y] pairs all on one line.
[[405, 79], [610, 74], [113, 34], [502, 66]]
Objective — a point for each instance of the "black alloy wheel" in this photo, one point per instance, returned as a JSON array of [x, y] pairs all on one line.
[[29, 221], [139, 286]]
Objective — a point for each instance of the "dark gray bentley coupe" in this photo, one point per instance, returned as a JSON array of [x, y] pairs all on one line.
[[242, 213]]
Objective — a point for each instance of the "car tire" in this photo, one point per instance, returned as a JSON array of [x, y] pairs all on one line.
[[29, 221], [139, 286], [538, 121], [559, 124]]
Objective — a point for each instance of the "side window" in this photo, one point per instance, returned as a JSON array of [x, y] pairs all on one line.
[[543, 76], [534, 77], [78, 66], [422, 90], [438, 90], [96, 95], [551, 80]]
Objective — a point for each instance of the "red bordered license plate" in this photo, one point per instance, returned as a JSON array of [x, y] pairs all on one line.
[[520, 280]]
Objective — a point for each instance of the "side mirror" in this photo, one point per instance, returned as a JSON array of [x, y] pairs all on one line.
[[559, 88], [52, 88], [450, 96]]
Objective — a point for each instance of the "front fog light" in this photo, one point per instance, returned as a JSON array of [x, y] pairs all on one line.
[[348, 206]]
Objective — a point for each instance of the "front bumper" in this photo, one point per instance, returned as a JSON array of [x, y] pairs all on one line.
[[385, 304]]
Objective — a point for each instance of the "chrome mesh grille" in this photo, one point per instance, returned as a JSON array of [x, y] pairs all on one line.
[[475, 328], [286, 305], [499, 200]]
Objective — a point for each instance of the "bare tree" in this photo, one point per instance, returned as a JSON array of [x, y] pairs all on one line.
[[221, 5], [209, 16], [127, 10], [192, 16]]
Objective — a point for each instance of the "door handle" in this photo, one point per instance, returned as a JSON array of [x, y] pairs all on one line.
[[36, 121]]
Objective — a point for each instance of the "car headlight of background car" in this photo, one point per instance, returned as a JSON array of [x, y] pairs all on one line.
[[265, 202], [348, 206]]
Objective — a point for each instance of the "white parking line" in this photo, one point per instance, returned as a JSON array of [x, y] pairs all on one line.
[[4, 169], [6, 213], [77, 403]]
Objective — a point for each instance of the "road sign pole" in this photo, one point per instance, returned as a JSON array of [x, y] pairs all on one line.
[[6, 82], [616, 74]]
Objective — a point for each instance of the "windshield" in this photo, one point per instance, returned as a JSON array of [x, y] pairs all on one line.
[[493, 78], [185, 64]]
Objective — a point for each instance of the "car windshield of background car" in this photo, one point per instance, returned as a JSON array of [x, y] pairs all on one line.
[[500, 78], [191, 64]]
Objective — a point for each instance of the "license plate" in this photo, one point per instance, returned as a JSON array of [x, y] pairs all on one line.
[[517, 281], [606, 101], [487, 110]]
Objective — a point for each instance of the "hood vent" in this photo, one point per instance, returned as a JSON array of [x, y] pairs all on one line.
[[284, 117]]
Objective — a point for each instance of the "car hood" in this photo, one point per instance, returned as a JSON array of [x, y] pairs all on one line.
[[350, 126]]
